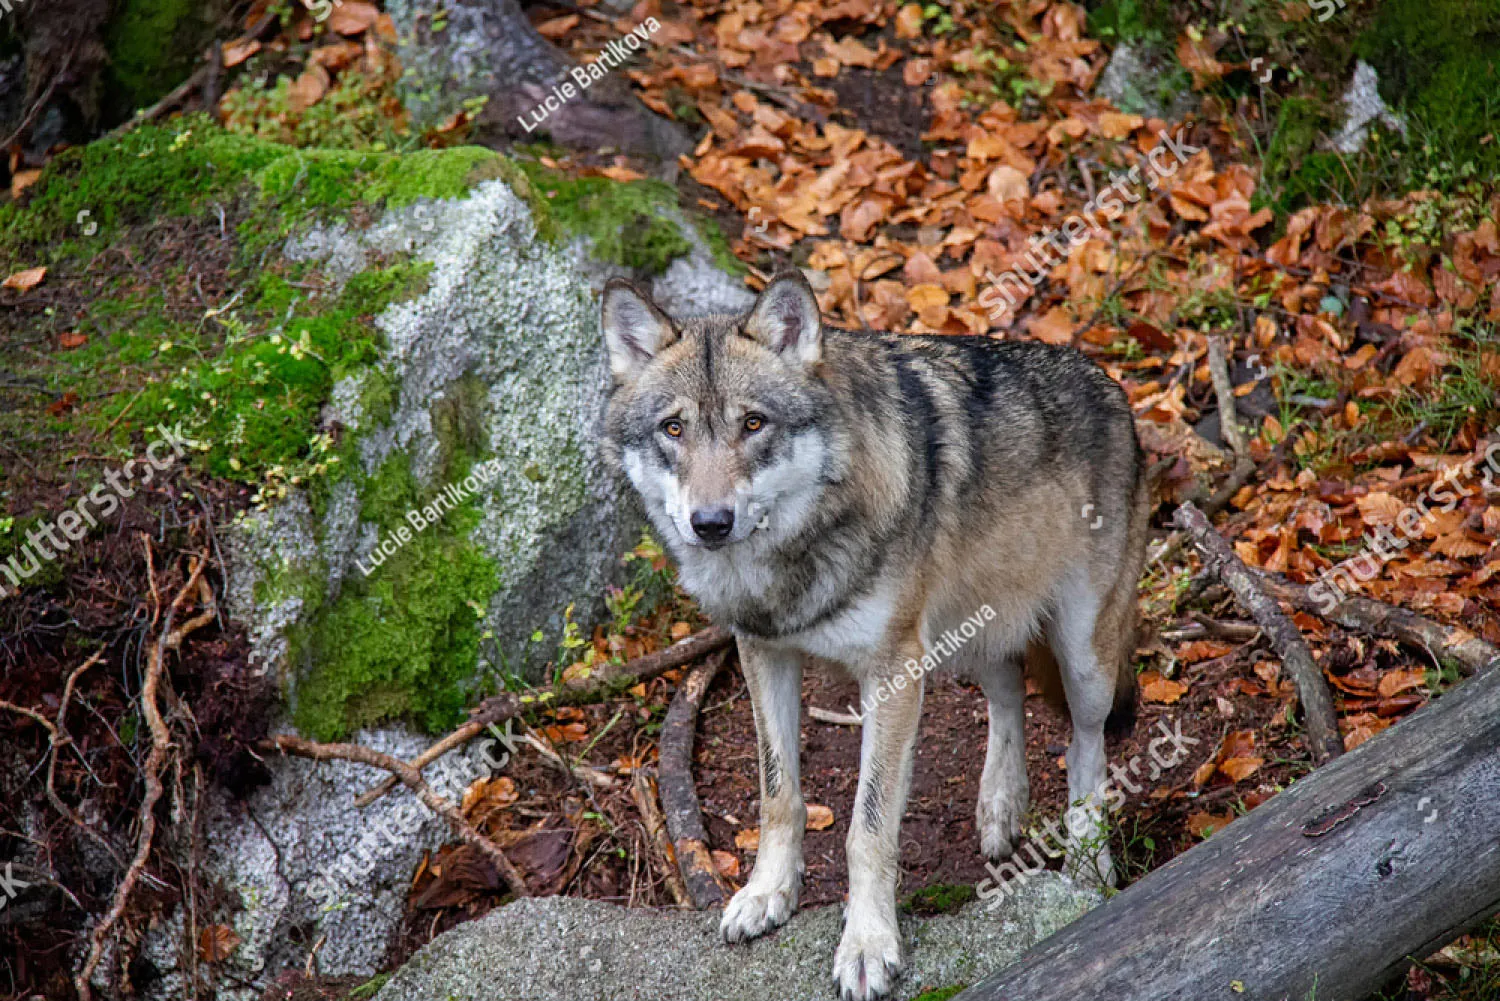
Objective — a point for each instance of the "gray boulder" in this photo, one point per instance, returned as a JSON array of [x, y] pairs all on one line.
[[566, 949]]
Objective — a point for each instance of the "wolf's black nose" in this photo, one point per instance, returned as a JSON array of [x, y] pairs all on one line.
[[713, 524]]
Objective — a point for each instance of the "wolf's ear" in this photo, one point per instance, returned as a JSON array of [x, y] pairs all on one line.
[[635, 328], [785, 319]]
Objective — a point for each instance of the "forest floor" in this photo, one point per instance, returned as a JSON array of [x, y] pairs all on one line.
[[902, 155]]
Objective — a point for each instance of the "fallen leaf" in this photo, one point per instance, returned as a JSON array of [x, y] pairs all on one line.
[[556, 27], [1401, 680], [1155, 688], [21, 180], [239, 50], [909, 21], [819, 817], [23, 280], [352, 17], [72, 339], [747, 839], [1239, 769], [1204, 824], [727, 863], [216, 943], [62, 404]]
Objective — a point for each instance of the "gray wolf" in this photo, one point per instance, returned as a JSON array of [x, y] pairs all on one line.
[[852, 497]]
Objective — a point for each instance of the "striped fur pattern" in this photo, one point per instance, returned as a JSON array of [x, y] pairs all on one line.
[[849, 497]]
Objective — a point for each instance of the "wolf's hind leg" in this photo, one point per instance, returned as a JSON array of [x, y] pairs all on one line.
[[767, 900], [1090, 688], [1004, 792]]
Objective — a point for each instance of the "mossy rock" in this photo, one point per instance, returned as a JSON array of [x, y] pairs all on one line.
[[398, 320]]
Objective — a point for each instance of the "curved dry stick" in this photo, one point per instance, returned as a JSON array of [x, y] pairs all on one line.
[[643, 792], [1317, 704], [412, 779], [604, 680], [1370, 616], [679, 798]]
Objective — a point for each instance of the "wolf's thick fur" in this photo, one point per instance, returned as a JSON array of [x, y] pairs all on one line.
[[851, 496]]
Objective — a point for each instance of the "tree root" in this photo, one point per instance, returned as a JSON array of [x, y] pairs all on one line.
[[679, 798]]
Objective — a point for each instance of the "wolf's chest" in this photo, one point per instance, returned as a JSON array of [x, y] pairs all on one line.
[[814, 615]]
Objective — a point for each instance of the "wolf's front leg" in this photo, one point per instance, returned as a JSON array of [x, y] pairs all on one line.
[[869, 955], [774, 678]]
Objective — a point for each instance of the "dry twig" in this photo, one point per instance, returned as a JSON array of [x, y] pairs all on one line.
[[412, 779], [1317, 703], [643, 791], [603, 681]]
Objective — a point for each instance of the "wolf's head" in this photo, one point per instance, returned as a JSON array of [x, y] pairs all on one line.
[[721, 422]]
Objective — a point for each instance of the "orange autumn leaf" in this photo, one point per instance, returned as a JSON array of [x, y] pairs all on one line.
[[1198, 650], [350, 17], [239, 50], [1155, 688], [1239, 769], [748, 839], [1401, 680], [23, 280], [216, 943], [1204, 824], [72, 339], [727, 863], [555, 28], [819, 817]]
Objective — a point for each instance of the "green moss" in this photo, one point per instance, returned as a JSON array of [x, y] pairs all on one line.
[[941, 994], [402, 639], [152, 46], [1439, 64], [626, 222], [256, 403], [718, 246], [940, 898]]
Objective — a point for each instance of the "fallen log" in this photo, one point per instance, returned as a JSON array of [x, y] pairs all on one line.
[[1327, 891], [1312, 691], [679, 798]]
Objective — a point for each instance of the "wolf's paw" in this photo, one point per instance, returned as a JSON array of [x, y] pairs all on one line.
[[867, 961], [998, 820], [754, 911]]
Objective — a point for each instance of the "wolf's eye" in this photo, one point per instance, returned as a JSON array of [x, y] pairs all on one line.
[[754, 423], [673, 428]]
